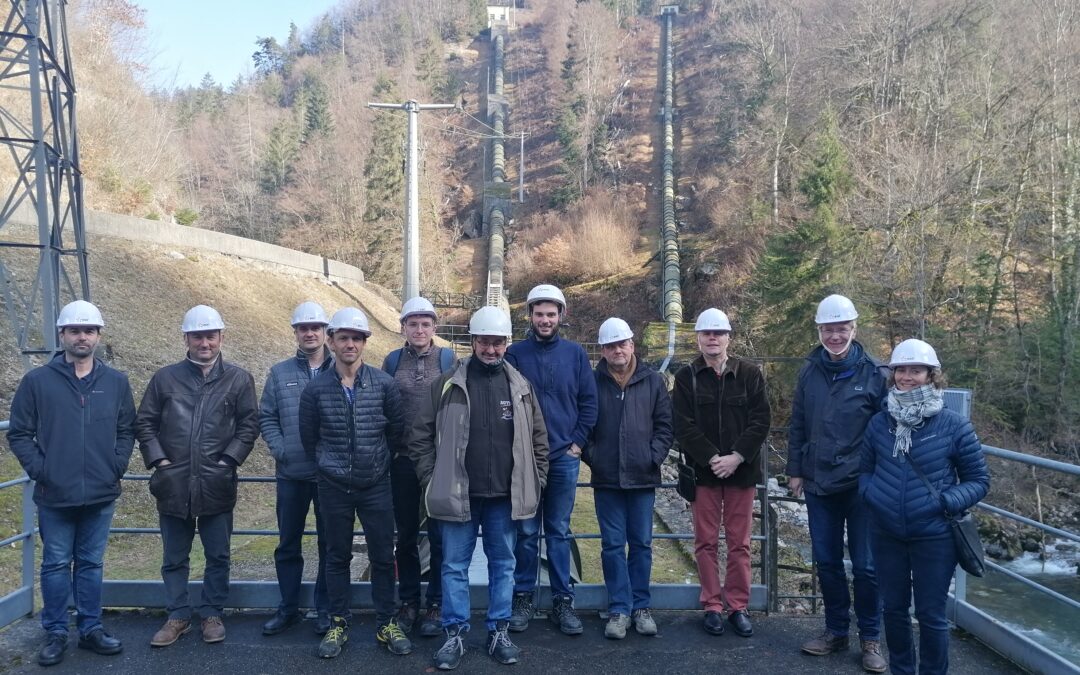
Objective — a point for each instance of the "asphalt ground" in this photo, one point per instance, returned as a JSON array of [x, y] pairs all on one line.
[[681, 647]]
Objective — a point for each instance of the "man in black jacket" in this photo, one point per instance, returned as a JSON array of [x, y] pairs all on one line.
[[721, 421], [350, 426], [197, 423], [279, 413], [72, 429], [631, 438]]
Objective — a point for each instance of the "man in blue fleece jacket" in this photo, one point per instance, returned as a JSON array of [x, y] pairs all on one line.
[[561, 375]]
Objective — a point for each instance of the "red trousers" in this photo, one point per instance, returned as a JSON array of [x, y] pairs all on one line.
[[734, 508]]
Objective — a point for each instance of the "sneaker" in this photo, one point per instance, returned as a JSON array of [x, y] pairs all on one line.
[[872, 661], [644, 624], [714, 623], [170, 632], [499, 645], [335, 638], [564, 616], [521, 612], [616, 626], [431, 623], [449, 655], [213, 629], [406, 617], [394, 638], [826, 643]]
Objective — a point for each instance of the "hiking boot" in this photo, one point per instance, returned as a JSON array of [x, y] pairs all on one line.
[[564, 616], [52, 651], [616, 626], [335, 638], [406, 617], [280, 622], [449, 655], [100, 642], [431, 623], [714, 623], [872, 661], [521, 612], [170, 632], [499, 645], [826, 643], [644, 624], [394, 638], [213, 629], [740, 622]]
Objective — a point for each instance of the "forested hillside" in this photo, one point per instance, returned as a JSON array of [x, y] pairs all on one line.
[[920, 156]]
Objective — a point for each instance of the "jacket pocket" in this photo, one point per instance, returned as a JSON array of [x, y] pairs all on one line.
[[218, 487], [165, 482]]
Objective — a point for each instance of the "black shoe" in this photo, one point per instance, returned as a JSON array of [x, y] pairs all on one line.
[[100, 642], [714, 623], [740, 622], [499, 645], [521, 612], [406, 617], [322, 622], [449, 655], [431, 623], [564, 616], [52, 652], [279, 622]]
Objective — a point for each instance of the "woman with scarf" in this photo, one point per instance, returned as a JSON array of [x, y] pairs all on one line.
[[910, 533]]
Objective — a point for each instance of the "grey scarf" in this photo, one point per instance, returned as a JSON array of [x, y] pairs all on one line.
[[910, 409]]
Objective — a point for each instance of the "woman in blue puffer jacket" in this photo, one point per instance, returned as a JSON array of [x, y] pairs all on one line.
[[910, 535]]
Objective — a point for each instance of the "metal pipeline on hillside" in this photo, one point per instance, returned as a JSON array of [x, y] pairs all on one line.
[[496, 214], [673, 306]]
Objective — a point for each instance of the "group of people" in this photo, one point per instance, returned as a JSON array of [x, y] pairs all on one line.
[[490, 447]]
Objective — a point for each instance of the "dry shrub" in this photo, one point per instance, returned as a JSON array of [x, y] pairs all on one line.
[[594, 239]]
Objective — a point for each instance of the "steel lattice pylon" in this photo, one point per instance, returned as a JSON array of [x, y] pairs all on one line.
[[44, 204]]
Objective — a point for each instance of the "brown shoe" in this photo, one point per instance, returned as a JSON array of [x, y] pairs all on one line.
[[170, 632], [213, 629], [872, 661], [826, 643]]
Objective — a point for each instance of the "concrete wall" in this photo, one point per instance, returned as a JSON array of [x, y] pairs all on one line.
[[163, 233]]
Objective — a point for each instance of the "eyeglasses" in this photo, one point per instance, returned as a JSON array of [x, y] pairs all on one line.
[[843, 332]]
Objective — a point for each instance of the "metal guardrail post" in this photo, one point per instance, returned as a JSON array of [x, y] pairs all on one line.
[[28, 544]]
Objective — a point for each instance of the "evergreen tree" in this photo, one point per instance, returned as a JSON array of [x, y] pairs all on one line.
[[315, 99], [279, 157], [384, 169]]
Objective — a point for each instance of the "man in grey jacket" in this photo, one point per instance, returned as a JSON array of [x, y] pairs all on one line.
[[480, 447], [840, 388], [279, 413]]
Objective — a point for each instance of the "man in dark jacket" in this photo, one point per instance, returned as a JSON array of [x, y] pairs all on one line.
[[72, 430], [721, 421], [562, 378], [480, 448], [279, 413], [414, 367], [631, 438], [197, 423], [350, 426], [840, 387]]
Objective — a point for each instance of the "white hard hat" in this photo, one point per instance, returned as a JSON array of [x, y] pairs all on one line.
[[200, 318], [614, 330], [835, 309], [80, 313], [349, 318], [417, 306], [546, 293], [490, 320], [914, 353], [712, 319], [309, 312]]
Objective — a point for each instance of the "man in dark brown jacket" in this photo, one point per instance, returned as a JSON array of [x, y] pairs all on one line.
[[721, 421], [197, 423]]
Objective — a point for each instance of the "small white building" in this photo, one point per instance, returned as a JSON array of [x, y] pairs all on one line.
[[500, 13], [669, 9]]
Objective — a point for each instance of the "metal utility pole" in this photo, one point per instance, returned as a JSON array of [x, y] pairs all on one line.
[[45, 202], [410, 287]]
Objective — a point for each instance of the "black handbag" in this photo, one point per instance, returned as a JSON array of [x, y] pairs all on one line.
[[965, 532], [687, 485]]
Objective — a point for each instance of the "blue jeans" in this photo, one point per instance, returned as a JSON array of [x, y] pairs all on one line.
[[294, 500], [374, 507], [215, 532], [408, 504], [625, 518], [493, 516], [827, 516], [926, 567], [556, 504], [78, 535]]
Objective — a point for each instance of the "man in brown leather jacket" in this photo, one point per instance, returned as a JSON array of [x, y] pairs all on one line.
[[197, 422]]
